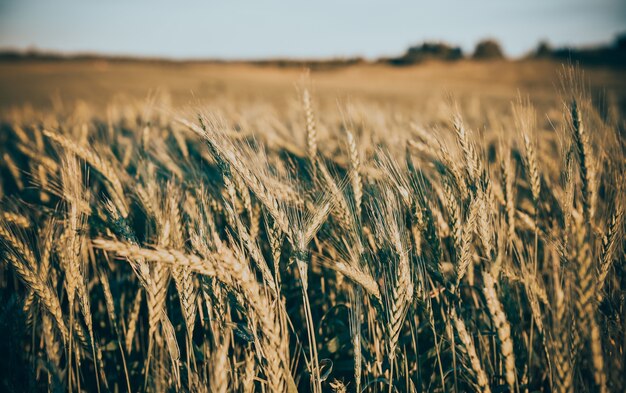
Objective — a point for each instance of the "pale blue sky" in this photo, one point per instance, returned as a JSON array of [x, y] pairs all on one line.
[[236, 29]]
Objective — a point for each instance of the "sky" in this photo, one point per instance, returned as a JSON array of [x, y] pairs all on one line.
[[236, 29]]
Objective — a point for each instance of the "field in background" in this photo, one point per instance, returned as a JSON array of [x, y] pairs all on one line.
[[98, 82]]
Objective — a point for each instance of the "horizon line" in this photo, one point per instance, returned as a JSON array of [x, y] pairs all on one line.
[[69, 54]]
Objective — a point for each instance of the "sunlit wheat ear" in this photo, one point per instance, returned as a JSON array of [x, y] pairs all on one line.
[[453, 168], [535, 295], [532, 167], [396, 176], [14, 170], [12, 237], [225, 154], [20, 133], [425, 214], [71, 247], [249, 373], [485, 224], [311, 130], [410, 194], [597, 354], [454, 213], [399, 279], [341, 208], [468, 344], [525, 122], [305, 226], [99, 164], [586, 163], [183, 277], [46, 162], [508, 180], [185, 286], [338, 386], [72, 239], [253, 248], [272, 345], [44, 293], [472, 159], [220, 378], [355, 173], [503, 329], [15, 219], [161, 256], [563, 365], [169, 337], [276, 245], [109, 301], [244, 194], [159, 280], [610, 241], [45, 243], [464, 253], [53, 347], [133, 320], [181, 142], [40, 169], [234, 270], [585, 302], [353, 264]]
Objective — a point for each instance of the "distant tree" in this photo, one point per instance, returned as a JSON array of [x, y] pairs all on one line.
[[543, 50], [488, 49], [620, 42], [428, 51], [435, 50]]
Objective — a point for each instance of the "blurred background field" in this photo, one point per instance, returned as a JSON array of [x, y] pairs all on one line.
[[44, 84]]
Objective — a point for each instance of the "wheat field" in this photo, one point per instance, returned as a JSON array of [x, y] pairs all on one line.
[[284, 238]]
